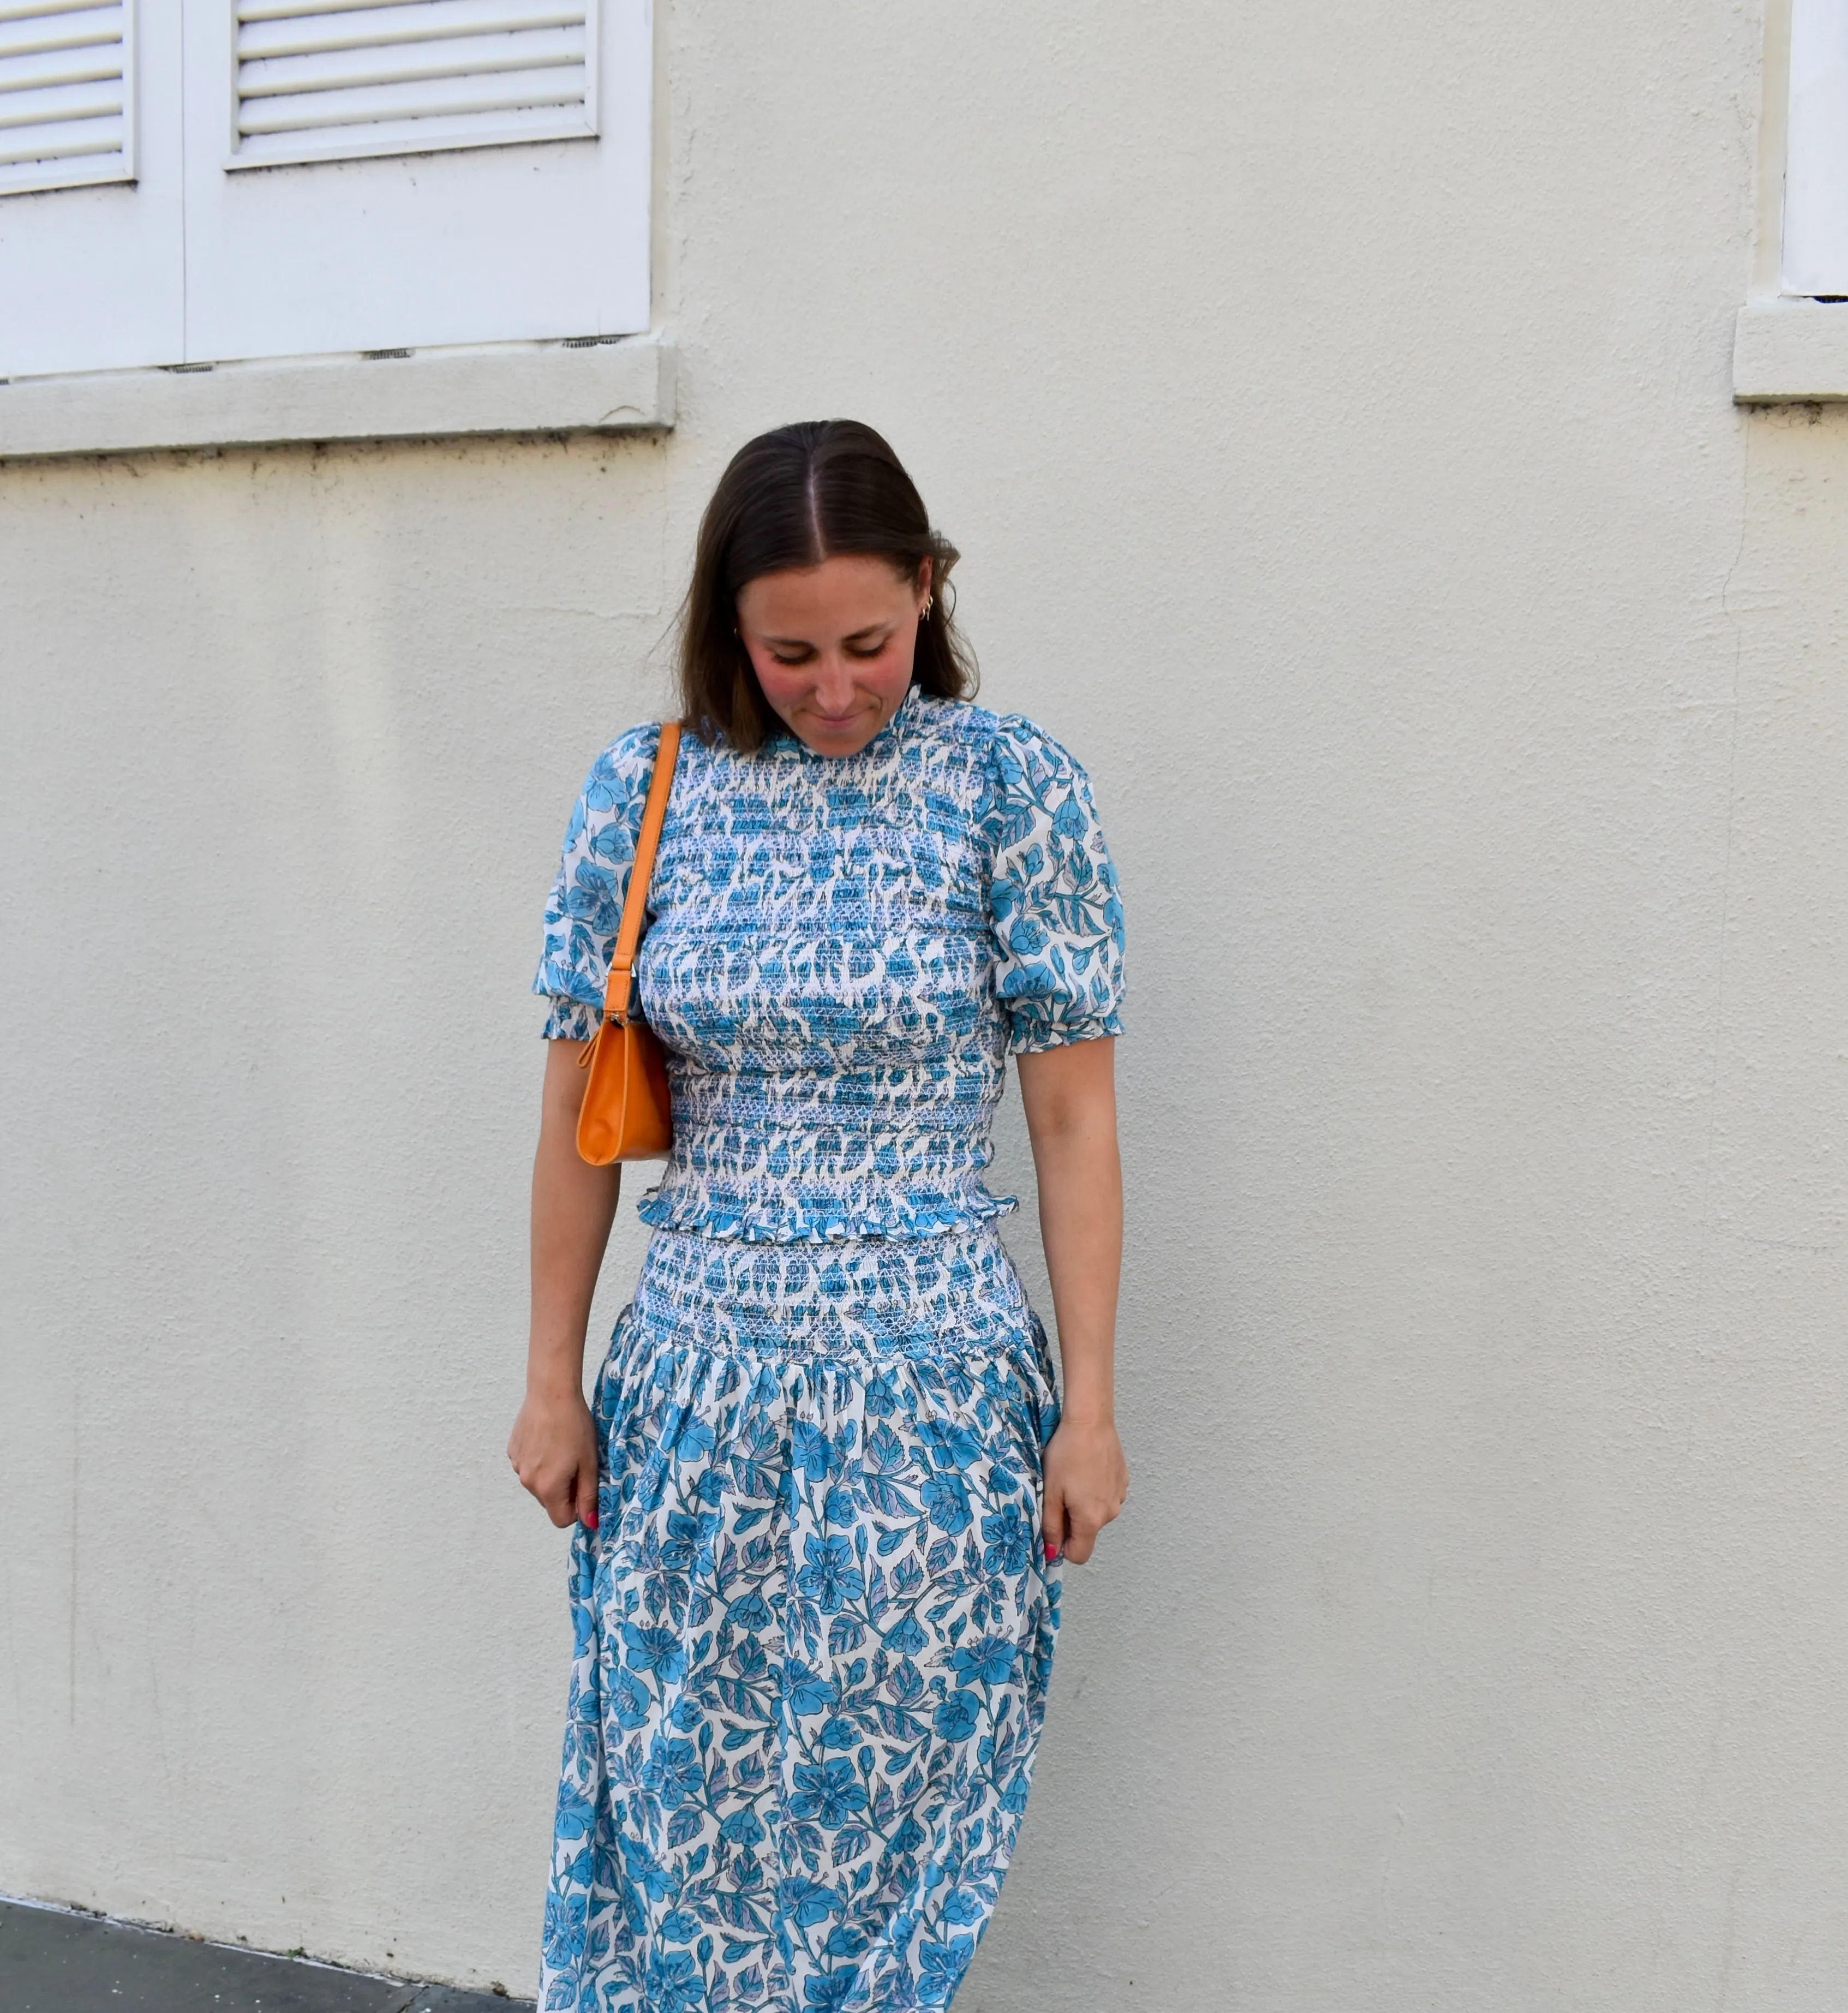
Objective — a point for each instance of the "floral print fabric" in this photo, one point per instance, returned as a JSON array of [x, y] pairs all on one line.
[[839, 956], [814, 1632], [814, 1629]]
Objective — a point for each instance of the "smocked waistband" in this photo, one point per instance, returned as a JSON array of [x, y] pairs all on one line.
[[954, 1293]]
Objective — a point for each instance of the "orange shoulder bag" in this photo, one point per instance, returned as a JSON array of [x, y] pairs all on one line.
[[625, 1114]]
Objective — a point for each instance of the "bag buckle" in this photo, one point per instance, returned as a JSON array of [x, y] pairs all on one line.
[[631, 1008]]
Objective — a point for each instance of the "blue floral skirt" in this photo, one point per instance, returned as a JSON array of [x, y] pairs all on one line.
[[813, 1632]]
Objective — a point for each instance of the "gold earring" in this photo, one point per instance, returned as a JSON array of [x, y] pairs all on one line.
[[924, 614]]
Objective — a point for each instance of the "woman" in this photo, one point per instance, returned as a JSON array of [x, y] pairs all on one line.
[[814, 1579]]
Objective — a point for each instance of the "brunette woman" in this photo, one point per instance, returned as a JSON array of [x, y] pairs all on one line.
[[825, 1487]]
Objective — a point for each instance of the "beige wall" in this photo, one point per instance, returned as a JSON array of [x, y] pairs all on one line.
[[1333, 403]]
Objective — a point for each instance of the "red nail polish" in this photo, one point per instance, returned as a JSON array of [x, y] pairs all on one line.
[[590, 1522], [1051, 1551]]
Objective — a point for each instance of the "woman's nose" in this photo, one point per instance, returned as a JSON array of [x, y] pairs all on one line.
[[833, 684]]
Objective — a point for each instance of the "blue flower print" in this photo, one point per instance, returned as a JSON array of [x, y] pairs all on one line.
[[742, 1828], [591, 899], [1009, 1535], [812, 1453], [646, 1871], [631, 1701], [673, 1983], [956, 1718], [694, 1440], [806, 1902], [750, 1613], [990, 1660], [673, 1772], [831, 1793], [947, 1499], [1070, 822], [906, 1637], [943, 1967], [656, 1650], [831, 1578], [564, 1926], [808, 1691], [831, 1990], [687, 1538], [951, 1446]]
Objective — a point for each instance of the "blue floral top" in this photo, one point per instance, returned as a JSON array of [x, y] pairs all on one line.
[[840, 953]]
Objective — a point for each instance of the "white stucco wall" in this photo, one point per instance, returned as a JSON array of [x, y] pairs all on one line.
[[1333, 403]]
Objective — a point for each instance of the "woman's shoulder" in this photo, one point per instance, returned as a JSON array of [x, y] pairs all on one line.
[[1016, 748], [1019, 763], [621, 770]]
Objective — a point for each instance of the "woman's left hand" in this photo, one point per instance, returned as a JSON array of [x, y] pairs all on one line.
[[1086, 1480]]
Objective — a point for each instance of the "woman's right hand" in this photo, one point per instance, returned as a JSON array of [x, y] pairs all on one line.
[[553, 1448]]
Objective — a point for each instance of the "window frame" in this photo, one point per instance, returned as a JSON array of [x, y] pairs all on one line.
[[1787, 350], [496, 352]]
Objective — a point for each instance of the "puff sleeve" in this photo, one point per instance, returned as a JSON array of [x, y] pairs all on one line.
[[586, 902], [1053, 907]]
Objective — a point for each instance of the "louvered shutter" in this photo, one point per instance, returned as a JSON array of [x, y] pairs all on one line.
[[321, 80], [1816, 178], [386, 208], [66, 93]]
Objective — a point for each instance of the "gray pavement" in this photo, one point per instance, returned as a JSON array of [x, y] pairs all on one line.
[[51, 1962]]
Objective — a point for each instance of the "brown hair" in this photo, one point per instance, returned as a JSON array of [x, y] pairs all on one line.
[[817, 490]]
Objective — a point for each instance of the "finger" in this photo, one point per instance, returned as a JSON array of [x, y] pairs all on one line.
[[586, 1495], [1052, 1523], [1080, 1540]]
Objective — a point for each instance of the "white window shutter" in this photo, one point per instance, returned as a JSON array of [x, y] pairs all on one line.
[[329, 80], [413, 221], [93, 266], [385, 204], [66, 93], [1816, 177]]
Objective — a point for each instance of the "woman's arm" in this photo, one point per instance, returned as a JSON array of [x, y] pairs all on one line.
[[1070, 1094], [553, 1446]]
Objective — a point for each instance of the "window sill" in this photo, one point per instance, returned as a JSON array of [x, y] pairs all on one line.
[[1790, 352], [625, 385]]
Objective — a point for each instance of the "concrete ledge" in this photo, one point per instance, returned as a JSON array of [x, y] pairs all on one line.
[[1790, 352], [622, 386]]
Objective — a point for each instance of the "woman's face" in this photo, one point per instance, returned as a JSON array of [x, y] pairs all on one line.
[[832, 646]]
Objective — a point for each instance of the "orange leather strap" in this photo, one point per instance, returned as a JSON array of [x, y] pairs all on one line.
[[620, 991]]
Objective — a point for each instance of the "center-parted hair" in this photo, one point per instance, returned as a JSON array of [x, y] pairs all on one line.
[[822, 489]]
